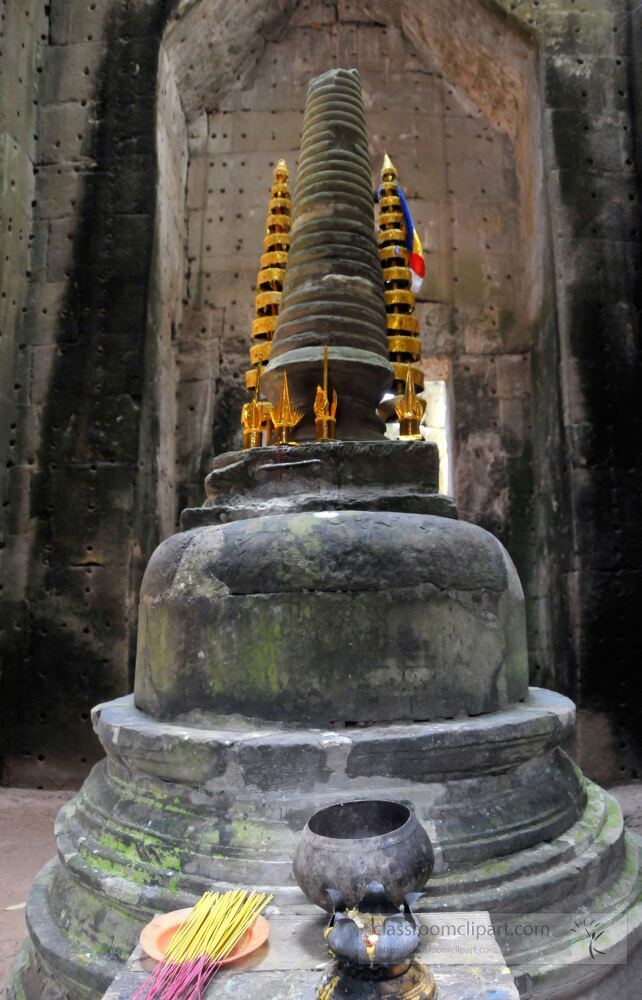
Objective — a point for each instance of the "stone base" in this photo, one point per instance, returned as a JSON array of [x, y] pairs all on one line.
[[177, 807], [401, 476], [295, 963]]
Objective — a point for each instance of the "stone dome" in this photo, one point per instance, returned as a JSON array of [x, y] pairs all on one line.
[[332, 617]]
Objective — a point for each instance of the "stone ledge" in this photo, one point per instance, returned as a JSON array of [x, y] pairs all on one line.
[[381, 475], [293, 962], [445, 750]]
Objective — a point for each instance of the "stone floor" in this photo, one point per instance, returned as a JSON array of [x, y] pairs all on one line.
[[26, 841]]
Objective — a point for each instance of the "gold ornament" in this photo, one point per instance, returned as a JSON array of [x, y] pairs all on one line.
[[284, 418], [409, 411], [256, 419], [404, 345], [325, 413], [269, 286]]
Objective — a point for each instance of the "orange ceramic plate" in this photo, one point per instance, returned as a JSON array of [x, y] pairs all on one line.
[[157, 934]]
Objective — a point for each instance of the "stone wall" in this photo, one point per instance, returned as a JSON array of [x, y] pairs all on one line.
[[23, 27], [592, 569], [74, 518], [512, 124]]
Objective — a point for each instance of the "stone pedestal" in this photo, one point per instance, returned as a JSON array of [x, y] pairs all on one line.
[[213, 768], [177, 807]]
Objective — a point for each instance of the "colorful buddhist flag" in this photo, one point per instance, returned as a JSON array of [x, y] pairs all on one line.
[[413, 245]]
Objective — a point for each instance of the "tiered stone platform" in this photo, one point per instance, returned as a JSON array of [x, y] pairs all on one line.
[[178, 806], [187, 798]]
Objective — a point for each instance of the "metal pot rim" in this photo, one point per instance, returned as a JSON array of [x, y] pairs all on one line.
[[348, 842]]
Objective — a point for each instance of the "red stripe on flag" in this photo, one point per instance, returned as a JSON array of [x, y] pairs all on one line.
[[417, 264]]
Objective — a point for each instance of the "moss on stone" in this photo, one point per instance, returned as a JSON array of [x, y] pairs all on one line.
[[159, 801], [152, 847], [109, 867], [246, 833], [493, 869]]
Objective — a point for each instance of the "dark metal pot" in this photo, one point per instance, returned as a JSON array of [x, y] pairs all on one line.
[[347, 845]]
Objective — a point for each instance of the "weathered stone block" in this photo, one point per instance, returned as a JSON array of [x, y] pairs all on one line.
[[605, 149], [77, 21], [71, 71], [513, 425], [481, 329], [475, 387], [66, 133], [377, 11], [590, 88], [437, 601], [61, 192], [252, 131], [513, 376]]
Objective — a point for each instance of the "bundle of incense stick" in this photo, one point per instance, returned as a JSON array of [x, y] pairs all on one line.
[[195, 953]]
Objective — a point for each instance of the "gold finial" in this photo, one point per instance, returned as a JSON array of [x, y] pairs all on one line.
[[325, 413], [388, 166], [269, 282], [284, 418], [409, 411], [281, 171], [404, 345]]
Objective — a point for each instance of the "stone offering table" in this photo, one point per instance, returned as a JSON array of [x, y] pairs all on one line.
[[291, 964]]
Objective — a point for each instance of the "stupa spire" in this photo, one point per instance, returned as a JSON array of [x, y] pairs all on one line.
[[269, 288], [333, 292], [402, 325]]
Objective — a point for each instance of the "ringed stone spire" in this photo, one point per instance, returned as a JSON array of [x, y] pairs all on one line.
[[333, 293]]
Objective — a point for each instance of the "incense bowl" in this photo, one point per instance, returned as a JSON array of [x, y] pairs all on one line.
[[345, 847]]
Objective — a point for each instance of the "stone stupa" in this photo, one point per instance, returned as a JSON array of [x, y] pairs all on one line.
[[323, 628]]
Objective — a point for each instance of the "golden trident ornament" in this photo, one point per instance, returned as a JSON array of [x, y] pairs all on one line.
[[284, 418], [325, 414], [409, 411], [255, 418]]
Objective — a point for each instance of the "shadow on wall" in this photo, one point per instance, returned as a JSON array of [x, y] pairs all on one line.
[[86, 559]]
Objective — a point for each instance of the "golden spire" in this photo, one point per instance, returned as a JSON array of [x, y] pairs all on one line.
[[388, 166], [404, 345], [283, 416], [409, 411], [269, 286], [325, 414]]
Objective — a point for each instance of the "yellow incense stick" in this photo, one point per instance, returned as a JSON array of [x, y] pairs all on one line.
[[216, 925], [213, 929]]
